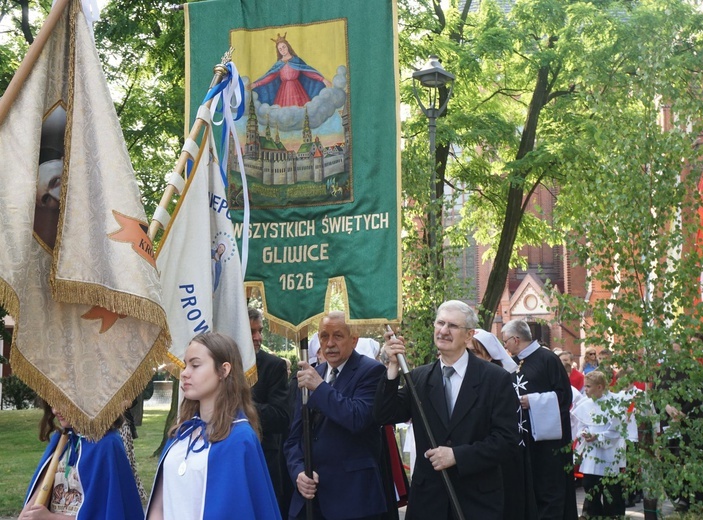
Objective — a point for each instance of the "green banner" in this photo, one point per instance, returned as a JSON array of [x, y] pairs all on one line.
[[319, 144]]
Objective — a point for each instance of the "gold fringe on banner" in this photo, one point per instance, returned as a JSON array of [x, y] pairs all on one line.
[[8, 299], [251, 376], [334, 286], [96, 427], [143, 309], [73, 10]]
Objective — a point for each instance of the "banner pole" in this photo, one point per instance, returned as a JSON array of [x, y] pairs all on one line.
[[47, 485], [307, 430], [453, 499], [220, 71], [35, 50]]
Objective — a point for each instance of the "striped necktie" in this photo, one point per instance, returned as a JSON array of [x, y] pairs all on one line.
[[447, 373], [333, 376]]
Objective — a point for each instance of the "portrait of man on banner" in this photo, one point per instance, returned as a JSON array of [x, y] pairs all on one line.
[[49, 176], [296, 131]]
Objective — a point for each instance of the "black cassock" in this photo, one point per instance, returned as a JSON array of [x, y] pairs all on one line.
[[548, 464]]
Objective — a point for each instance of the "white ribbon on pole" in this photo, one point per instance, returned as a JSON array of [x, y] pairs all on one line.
[[233, 97]]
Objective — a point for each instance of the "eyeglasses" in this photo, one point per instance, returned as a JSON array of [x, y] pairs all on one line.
[[440, 324], [505, 341]]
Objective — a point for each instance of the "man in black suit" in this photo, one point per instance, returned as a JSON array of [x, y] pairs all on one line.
[[472, 417], [270, 395]]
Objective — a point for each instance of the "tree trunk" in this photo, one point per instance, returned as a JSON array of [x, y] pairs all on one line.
[[26, 29], [515, 207]]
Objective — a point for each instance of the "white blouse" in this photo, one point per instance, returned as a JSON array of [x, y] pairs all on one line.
[[184, 481]]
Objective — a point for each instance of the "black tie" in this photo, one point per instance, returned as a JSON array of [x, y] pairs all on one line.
[[447, 373], [333, 376]]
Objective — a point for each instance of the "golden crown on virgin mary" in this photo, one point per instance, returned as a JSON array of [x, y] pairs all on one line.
[[280, 38]]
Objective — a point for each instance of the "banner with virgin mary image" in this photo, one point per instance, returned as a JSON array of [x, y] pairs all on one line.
[[317, 155]]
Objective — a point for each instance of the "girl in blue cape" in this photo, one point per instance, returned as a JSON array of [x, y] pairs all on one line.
[[213, 465], [93, 478], [290, 81]]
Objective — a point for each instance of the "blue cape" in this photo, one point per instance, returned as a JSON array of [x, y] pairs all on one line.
[[267, 93], [110, 492], [238, 483]]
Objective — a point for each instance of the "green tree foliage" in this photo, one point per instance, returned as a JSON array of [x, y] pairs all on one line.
[[430, 275], [141, 47], [20, 21], [524, 71], [629, 214], [16, 394], [568, 95]]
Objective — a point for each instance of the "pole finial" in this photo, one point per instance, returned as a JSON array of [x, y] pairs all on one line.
[[227, 56], [221, 68]]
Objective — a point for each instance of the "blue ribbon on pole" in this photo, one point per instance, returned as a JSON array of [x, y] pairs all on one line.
[[226, 94], [230, 93]]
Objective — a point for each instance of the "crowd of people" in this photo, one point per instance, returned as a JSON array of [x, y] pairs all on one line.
[[499, 427]]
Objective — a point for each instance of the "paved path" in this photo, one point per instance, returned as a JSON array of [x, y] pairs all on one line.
[[665, 508], [633, 512]]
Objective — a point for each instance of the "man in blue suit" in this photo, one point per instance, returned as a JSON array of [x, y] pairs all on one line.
[[346, 442]]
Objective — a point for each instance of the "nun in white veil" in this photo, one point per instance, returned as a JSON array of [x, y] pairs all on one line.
[[490, 349], [519, 496]]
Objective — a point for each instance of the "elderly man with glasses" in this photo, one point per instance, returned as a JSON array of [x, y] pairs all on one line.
[[470, 406], [545, 396]]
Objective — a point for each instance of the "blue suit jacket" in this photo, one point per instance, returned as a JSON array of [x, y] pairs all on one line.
[[346, 443]]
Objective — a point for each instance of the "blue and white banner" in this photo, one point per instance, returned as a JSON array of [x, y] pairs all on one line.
[[198, 258]]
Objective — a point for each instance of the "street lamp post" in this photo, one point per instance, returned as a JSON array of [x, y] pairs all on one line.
[[432, 77]]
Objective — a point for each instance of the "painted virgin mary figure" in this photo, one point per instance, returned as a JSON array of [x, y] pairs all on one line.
[[290, 81]]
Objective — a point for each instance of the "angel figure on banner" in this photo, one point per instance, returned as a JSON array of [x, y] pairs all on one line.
[[290, 81]]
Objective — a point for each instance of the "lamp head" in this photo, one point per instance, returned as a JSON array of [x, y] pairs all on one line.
[[432, 74]]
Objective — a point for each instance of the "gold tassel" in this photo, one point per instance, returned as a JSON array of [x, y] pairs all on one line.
[[252, 376]]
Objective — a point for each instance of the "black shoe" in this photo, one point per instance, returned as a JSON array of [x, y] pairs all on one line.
[[681, 505]]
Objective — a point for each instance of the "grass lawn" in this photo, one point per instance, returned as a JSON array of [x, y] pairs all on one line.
[[20, 450]]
